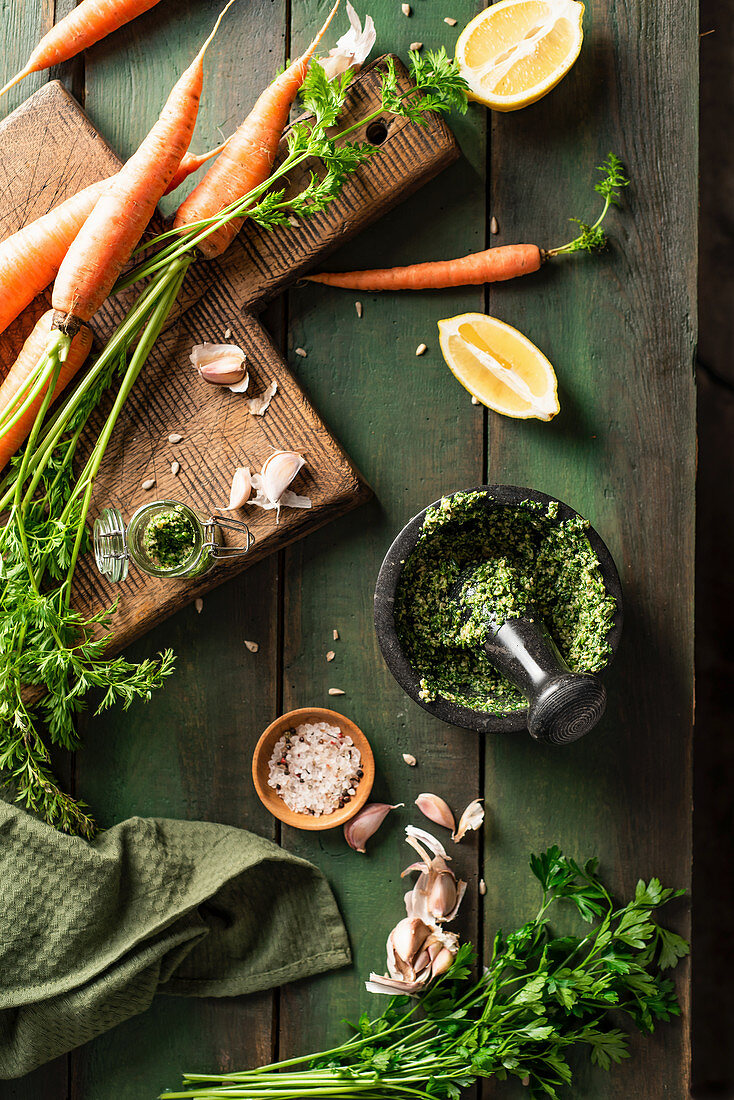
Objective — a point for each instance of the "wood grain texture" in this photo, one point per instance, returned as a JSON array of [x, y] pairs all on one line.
[[219, 431], [620, 330], [416, 433]]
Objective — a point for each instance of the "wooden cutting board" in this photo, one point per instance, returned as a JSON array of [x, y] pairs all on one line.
[[49, 149]]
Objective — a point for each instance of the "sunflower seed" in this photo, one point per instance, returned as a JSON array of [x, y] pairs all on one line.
[[416, 46], [358, 307], [482, 887], [421, 349], [493, 227], [409, 759], [449, 21], [175, 467], [302, 352], [199, 605], [406, 9], [252, 646], [227, 333], [475, 400], [335, 635], [148, 483], [174, 437], [330, 655], [336, 691]]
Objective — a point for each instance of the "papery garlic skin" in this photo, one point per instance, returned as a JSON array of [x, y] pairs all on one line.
[[365, 824], [353, 48], [239, 494], [436, 895], [220, 364], [472, 818]]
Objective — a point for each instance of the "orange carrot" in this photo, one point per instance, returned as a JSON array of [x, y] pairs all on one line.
[[248, 158], [15, 388], [190, 163], [491, 266], [107, 239], [30, 258], [86, 24]]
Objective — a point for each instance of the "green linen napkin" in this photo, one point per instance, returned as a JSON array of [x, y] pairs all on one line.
[[90, 932]]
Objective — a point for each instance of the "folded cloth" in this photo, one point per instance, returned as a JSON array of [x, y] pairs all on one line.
[[90, 932]]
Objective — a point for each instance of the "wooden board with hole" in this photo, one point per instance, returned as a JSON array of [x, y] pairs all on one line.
[[218, 431]]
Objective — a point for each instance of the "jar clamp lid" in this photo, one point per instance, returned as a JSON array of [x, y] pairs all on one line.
[[113, 549]]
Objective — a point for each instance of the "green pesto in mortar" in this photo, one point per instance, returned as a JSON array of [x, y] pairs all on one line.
[[170, 538], [519, 557]]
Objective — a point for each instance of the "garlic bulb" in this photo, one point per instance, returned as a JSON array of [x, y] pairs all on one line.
[[352, 48], [241, 488], [436, 895], [416, 954], [221, 364]]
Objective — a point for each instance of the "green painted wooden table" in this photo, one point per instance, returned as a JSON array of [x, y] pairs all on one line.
[[620, 330]]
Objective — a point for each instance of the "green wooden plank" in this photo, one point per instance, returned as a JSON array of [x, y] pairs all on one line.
[[414, 434], [188, 753], [620, 331]]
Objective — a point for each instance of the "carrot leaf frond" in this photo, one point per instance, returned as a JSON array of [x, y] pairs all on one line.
[[592, 238]]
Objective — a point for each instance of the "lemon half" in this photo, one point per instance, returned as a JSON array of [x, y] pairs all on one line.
[[514, 52], [499, 366]]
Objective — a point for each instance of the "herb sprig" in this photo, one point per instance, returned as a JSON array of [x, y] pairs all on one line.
[[592, 238], [542, 998]]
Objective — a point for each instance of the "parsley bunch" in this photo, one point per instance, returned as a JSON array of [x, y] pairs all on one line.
[[544, 997]]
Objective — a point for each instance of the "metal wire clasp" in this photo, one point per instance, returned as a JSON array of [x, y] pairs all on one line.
[[226, 523]]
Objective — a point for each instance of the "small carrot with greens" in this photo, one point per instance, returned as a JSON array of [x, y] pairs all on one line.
[[248, 156], [89, 22], [18, 391], [109, 235], [491, 266], [31, 258]]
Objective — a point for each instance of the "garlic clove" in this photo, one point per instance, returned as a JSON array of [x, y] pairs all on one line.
[[241, 488], [435, 809], [472, 818], [442, 896], [366, 823], [279, 471], [381, 983], [220, 364]]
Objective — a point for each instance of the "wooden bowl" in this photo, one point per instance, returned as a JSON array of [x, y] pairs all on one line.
[[272, 800]]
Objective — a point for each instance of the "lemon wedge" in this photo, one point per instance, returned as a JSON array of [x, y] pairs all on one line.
[[499, 366], [514, 52]]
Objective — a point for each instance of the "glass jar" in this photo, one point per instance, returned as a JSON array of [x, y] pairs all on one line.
[[165, 539]]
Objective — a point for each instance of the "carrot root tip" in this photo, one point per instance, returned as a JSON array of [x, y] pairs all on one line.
[[66, 323]]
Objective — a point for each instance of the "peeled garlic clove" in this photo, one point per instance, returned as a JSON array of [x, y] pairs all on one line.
[[435, 809], [366, 823], [241, 488], [472, 818], [220, 364], [279, 471]]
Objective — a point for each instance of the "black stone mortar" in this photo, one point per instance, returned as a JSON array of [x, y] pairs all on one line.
[[497, 496]]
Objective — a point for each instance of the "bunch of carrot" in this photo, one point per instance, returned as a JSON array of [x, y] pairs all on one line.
[[85, 244]]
